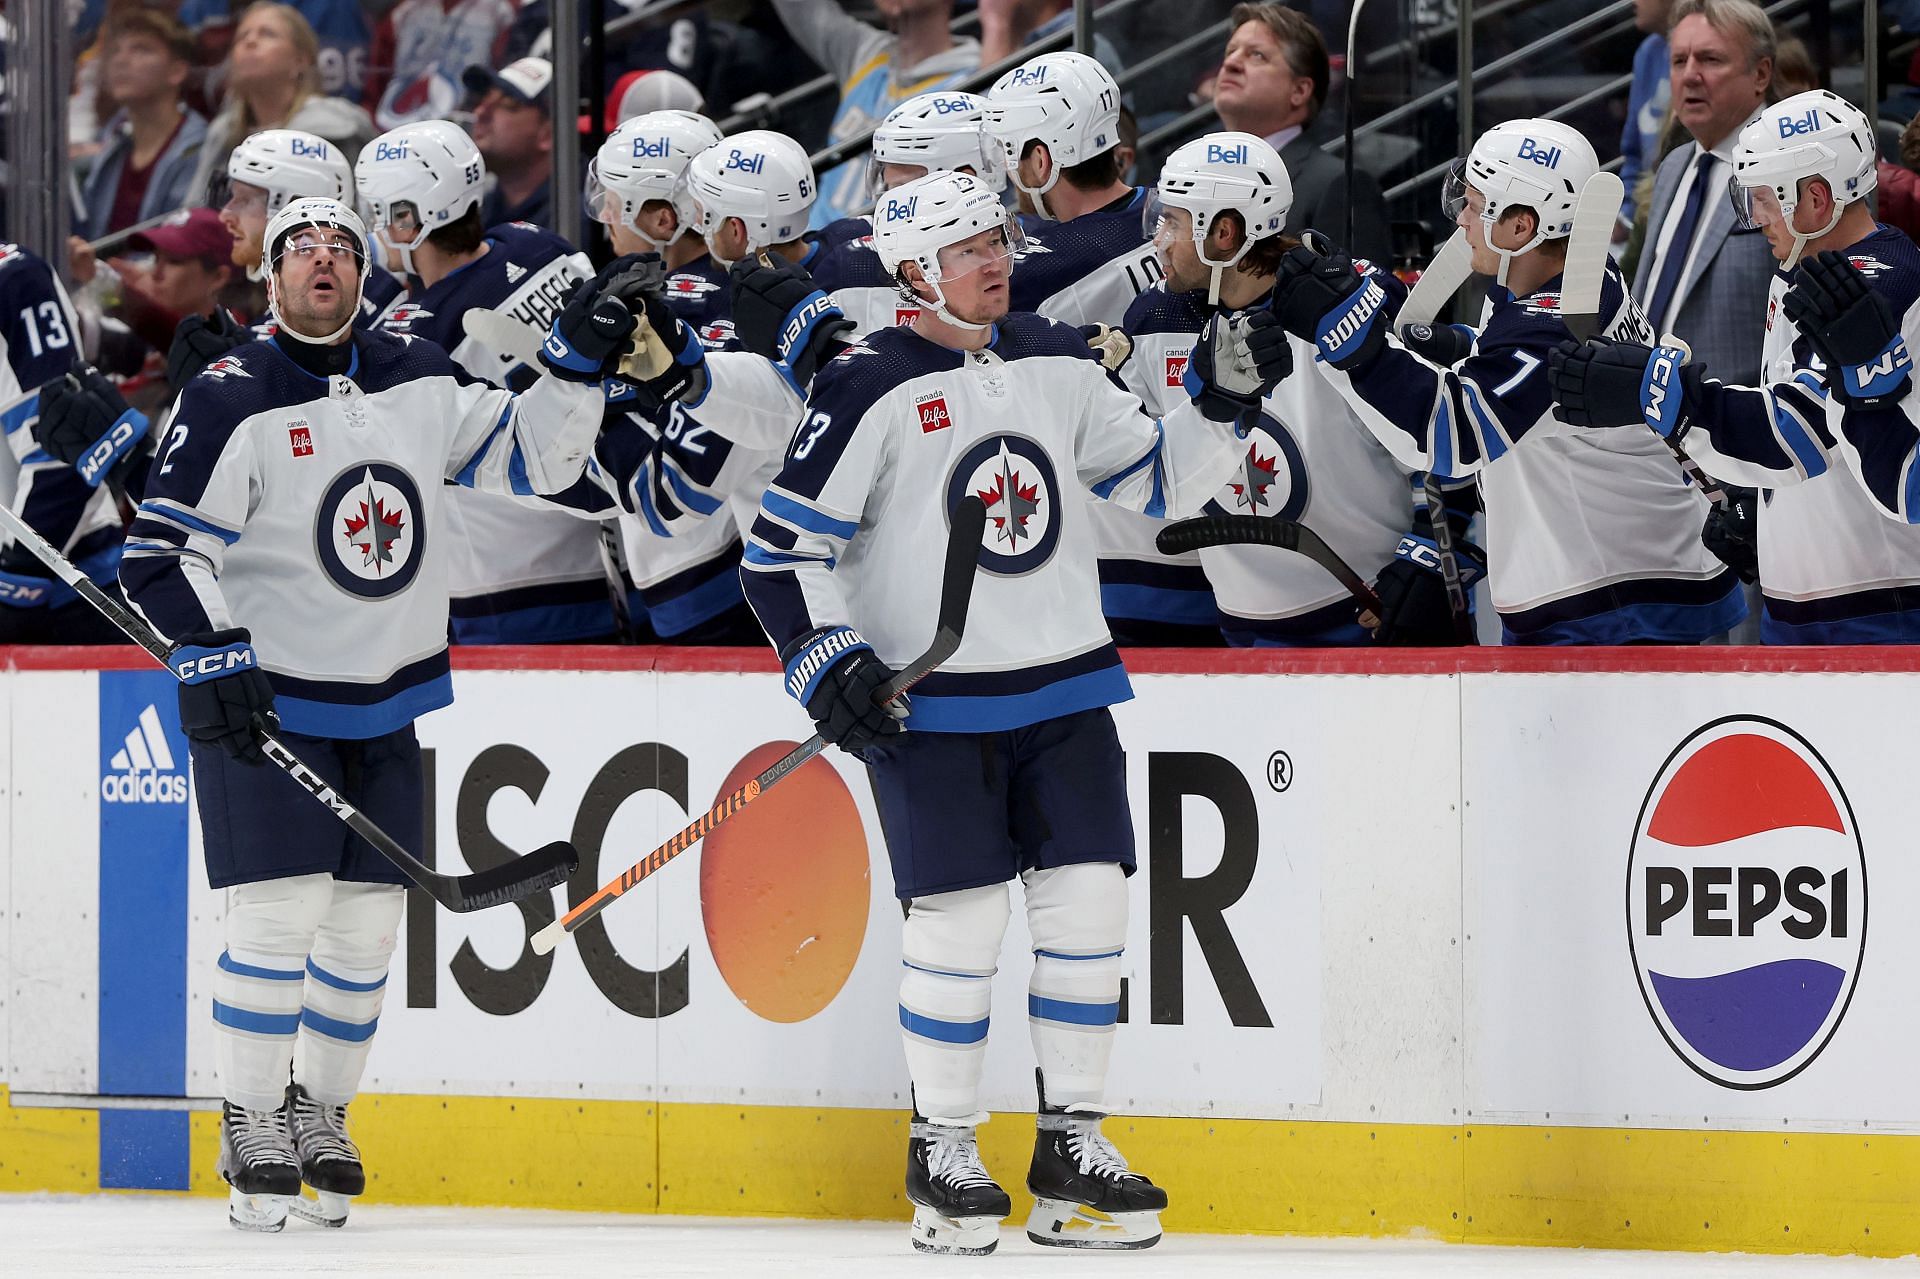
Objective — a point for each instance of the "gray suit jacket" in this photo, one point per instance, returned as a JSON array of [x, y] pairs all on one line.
[[1720, 308], [1320, 201]]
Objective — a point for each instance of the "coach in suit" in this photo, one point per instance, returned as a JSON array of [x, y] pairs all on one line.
[[1701, 278]]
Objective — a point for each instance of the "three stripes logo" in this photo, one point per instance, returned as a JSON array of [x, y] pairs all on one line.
[[144, 771]]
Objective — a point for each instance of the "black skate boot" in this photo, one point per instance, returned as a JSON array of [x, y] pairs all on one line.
[[257, 1159], [329, 1161], [957, 1207], [1084, 1194]]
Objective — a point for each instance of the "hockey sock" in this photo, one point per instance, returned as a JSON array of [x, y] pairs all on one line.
[[951, 948], [1078, 918], [346, 983], [257, 987]]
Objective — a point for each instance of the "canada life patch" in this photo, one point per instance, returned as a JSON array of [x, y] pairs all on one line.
[[905, 315], [300, 437], [932, 408], [1747, 902], [1177, 367]]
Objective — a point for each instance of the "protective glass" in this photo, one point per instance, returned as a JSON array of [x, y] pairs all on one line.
[[996, 246], [877, 184], [1455, 195], [600, 203], [1754, 208], [309, 243], [239, 198]]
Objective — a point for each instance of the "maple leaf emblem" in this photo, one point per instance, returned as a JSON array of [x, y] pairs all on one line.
[[1256, 477], [1017, 502], [374, 530]]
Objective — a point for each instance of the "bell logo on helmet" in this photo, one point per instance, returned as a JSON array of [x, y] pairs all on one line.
[[652, 149], [1027, 76], [901, 210], [1217, 154], [1808, 123], [736, 159], [1545, 157], [951, 106], [390, 151], [302, 147]]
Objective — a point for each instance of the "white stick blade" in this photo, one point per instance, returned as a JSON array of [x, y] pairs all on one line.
[[544, 941], [1439, 282], [1590, 244]]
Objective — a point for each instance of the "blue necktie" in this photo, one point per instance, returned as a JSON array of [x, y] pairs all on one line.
[[1673, 263]]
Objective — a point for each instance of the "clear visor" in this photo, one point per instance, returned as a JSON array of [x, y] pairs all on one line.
[[238, 198], [314, 244], [394, 223], [878, 180], [1754, 208], [1455, 194], [994, 247], [1164, 224], [600, 203]]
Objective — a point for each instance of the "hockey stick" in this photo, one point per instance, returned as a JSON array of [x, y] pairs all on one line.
[[956, 592], [521, 877], [1353, 62], [1439, 282], [1263, 530]]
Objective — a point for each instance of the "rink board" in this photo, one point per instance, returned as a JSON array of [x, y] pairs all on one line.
[[1389, 970]]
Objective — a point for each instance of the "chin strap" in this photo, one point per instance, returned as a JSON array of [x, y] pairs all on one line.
[[280, 322], [1800, 242]]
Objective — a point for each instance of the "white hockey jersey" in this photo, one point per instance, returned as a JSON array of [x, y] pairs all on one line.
[[846, 266], [310, 509], [898, 429]]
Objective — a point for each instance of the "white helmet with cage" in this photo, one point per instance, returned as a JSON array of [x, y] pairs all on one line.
[[646, 158], [1221, 173], [1066, 100], [1810, 135], [915, 221], [946, 130], [1540, 165], [761, 177], [430, 170], [305, 214]]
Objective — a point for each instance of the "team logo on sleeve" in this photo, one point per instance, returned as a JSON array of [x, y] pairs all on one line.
[[368, 535], [1015, 478], [684, 288]]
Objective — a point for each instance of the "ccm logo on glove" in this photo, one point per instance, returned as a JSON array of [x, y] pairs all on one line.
[[202, 664]]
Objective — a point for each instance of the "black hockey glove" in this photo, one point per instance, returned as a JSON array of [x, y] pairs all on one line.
[[1413, 592], [1325, 300], [781, 315], [86, 424], [834, 674], [591, 331], [1604, 383], [198, 341], [1236, 360], [24, 581], [224, 695], [1854, 329], [1732, 532], [1442, 344]]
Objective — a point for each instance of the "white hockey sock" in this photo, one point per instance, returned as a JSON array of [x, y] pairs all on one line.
[[346, 983], [256, 990], [951, 948], [1078, 918]]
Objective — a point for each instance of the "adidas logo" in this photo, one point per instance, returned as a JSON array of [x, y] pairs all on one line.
[[514, 272], [144, 771]]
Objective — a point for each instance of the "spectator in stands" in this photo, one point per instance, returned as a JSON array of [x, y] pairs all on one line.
[[644, 92], [341, 26], [1647, 103], [192, 262], [421, 49], [513, 128], [153, 140], [877, 71], [1899, 188], [273, 82], [1007, 26], [1793, 69], [1272, 84], [1700, 278]]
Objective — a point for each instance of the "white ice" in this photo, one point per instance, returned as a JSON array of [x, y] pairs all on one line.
[[131, 1234]]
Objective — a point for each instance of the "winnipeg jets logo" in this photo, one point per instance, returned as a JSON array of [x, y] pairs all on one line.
[[716, 334], [1256, 477], [1015, 478], [689, 286], [368, 534], [1867, 266], [406, 313], [1271, 478], [224, 367]]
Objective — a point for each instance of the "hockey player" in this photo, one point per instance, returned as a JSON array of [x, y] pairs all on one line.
[[972, 399], [1593, 539], [1840, 319], [296, 504], [1216, 218], [518, 573]]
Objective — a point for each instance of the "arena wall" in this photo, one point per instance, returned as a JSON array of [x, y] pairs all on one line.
[[1554, 948]]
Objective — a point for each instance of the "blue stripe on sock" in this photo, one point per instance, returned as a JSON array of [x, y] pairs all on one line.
[[259, 1023], [947, 1032], [1072, 1013], [941, 972], [229, 964], [341, 983], [333, 1029]]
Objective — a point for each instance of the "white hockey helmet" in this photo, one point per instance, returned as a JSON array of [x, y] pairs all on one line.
[[1540, 165], [300, 215], [1066, 100], [430, 169], [646, 159], [288, 164], [1815, 134], [941, 130], [1215, 174], [761, 177], [915, 221]]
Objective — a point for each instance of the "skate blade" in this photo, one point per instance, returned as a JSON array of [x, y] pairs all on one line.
[[262, 1214], [1058, 1223], [956, 1236], [325, 1209]]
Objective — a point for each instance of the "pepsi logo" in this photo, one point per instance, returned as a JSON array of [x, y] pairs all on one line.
[[1747, 902]]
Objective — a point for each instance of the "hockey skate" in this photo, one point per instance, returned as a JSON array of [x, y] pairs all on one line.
[[258, 1160], [957, 1207], [329, 1161], [1084, 1194]]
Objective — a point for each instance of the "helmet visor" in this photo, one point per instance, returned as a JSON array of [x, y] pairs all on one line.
[[1754, 208], [1454, 193], [311, 243], [996, 246], [598, 202]]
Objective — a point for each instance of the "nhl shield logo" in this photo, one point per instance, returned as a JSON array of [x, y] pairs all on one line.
[[367, 531], [1747, 902], [1015, 478]]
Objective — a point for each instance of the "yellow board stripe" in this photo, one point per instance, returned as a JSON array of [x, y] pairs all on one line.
[[1590, 1187]]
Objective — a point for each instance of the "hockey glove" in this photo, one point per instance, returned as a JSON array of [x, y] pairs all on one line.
[[1325, 300], [1605, 383], [24, 580], [224, 695], [597, 319], [198, 341], [1111, 345], [84, 423], [1236, 360], [1442, 344], [834, 674], [1854, 329], [1413, 591], [1732, 532], [781, 315]]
